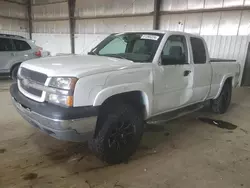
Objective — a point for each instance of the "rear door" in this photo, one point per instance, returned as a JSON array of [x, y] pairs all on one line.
[[6, 54], [23, 50], [202, 70]]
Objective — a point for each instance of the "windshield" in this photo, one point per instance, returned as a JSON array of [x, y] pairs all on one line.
[[137, 47]]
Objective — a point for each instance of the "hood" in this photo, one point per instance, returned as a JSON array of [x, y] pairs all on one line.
[[76, 65]]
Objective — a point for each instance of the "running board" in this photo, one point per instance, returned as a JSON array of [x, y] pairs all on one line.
[[163, 118]]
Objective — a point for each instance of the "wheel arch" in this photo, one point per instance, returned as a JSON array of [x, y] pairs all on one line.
[[227, 78], [132, 95], [13, 66]]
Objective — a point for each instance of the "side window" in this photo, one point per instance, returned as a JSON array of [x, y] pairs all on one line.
[[21, 45], [199, 51], [115, 46], [175, 51], [5, 45]]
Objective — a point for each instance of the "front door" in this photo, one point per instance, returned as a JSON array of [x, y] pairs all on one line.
[[6, 54], [173, 86]]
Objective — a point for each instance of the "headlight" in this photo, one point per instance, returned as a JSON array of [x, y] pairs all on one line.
[[63, 83], [61, 91]]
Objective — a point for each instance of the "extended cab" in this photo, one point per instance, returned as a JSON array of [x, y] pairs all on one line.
[[106, 96]]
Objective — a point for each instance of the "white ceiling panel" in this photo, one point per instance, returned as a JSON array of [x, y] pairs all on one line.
[[12, 10], [193, 23], [59, 10], [105, 26], [166, 5], [111, 7], [229, 23], [210, 22], [232, 3], [244, 28], [174, 5], [179, 5], [177, 22], [165, 22], [85, 8], [51, 27], [195, 4], [213, 3], [143, 6], [13, 25], [247, 2], [45, 1], [22, 1]]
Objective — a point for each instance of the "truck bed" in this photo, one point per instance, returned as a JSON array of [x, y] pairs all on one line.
[[212, 60]]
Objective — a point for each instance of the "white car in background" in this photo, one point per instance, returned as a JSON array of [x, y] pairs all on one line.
[[129, 78], [14, 50]]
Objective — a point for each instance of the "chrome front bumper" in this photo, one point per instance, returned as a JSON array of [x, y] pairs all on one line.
[[76, 130]]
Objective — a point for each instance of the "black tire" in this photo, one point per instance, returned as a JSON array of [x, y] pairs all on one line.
[[14, 72], [119, 134], [221, 104]]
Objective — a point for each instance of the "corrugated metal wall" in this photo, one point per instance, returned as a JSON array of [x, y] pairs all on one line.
[[51, 25], [13, 18], [90, 30], [112, 7], [176, 5], [226, 31]]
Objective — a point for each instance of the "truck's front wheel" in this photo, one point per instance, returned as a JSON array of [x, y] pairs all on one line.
[[221, 104], [119, 135]]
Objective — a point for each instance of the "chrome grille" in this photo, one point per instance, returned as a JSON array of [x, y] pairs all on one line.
[[31, 90], [26, 77], [33, 75]]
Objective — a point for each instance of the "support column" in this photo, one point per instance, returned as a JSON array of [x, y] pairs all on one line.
[[156, 14], [72, 23], [29, 7]]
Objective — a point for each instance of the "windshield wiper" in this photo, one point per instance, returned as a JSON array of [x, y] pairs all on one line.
[[118, 56], [114, 56]]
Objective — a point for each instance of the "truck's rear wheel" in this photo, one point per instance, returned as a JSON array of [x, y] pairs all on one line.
[[221, 104], [119, 134]]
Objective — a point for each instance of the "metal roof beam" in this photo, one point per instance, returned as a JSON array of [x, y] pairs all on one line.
[[29, 9], [240, 8], [156, 14], [72, 23]]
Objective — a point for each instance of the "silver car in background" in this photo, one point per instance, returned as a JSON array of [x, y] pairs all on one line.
[[14, 50]]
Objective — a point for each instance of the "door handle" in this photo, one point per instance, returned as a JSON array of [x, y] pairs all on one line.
[[12, 54], [186, 72]]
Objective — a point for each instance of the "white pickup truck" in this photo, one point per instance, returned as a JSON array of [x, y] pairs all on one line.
[[129, 78]]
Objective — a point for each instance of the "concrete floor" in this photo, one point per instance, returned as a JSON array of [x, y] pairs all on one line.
[[182, 153]]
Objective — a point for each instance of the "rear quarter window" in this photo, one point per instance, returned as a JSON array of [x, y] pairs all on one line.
[[5, 45], [21, 45], [199, 51]]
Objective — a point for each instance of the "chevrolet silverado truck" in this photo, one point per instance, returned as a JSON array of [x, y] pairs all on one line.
[[129, 78]]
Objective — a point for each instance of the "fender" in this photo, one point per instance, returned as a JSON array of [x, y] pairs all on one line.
[[225, 77], [145, 88]]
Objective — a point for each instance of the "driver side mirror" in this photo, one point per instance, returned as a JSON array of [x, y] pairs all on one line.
[[160, 61], [165, 61]]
